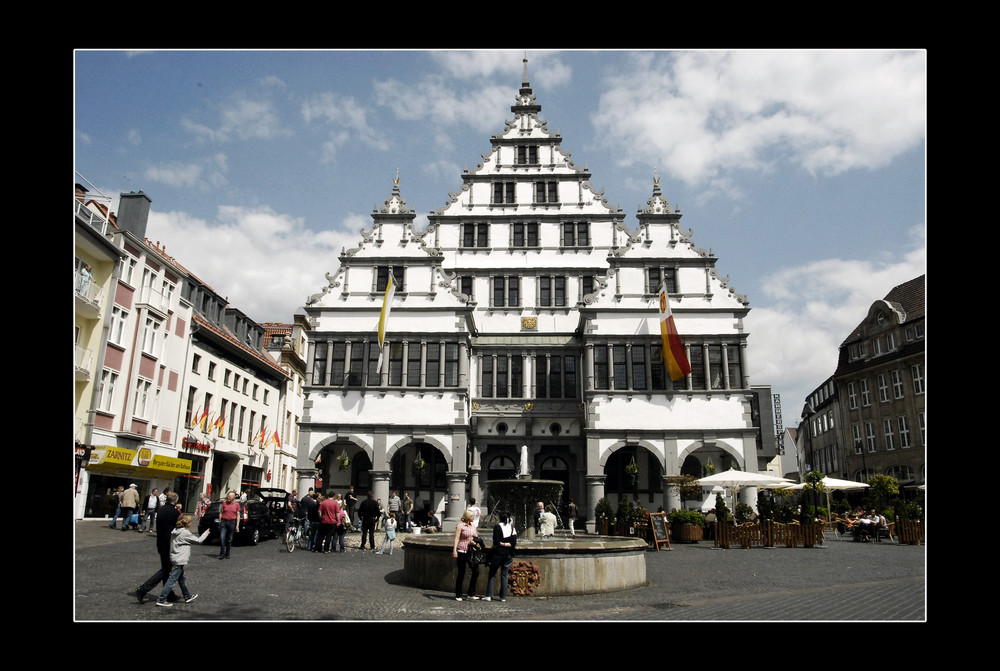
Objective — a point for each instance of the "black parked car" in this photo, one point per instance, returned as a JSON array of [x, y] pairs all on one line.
[[256, 521]]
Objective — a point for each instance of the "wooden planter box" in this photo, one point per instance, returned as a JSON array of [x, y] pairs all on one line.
[[686, 533]]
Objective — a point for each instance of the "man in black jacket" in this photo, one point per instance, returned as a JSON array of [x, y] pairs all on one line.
[[166, 522], [369, 513]]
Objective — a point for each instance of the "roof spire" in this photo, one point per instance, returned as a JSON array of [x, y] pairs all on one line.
[[524, 78]]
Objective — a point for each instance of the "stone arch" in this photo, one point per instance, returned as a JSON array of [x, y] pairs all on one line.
[[603, 460], [715, 446], [318, 448]]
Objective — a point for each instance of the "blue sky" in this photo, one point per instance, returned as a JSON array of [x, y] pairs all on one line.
[[803, 171]]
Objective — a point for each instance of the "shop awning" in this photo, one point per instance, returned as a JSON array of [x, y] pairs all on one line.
[[140, 464]]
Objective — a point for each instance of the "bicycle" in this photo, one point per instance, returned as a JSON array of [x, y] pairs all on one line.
[[294, 535]]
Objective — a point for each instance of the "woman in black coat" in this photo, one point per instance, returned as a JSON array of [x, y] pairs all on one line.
[[501, 555]]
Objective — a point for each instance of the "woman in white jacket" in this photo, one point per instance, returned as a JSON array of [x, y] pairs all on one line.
[[180, 553]]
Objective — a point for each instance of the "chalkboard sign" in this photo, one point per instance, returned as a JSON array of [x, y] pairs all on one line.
[[658, 523]]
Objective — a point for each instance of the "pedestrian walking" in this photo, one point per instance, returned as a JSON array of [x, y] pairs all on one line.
[[390, 533], [166, 522], [116, 505], [180, 554], [152, 505], [129, 501], [501, 555], [229, 523], [465, 532]]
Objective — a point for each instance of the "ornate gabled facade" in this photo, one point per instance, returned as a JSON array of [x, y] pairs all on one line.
[[525, 313]]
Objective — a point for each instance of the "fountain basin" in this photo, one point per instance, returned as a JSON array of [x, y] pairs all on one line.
[[567, 564]]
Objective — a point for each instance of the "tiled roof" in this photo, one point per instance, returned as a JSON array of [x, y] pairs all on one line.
[[228, 335]]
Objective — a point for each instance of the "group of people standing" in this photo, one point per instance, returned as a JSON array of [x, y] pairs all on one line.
[[327, 518], [128, 502]]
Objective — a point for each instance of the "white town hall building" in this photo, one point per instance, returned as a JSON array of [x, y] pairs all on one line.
[[525, 314]]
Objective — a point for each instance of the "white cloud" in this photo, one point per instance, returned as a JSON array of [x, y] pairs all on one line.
[[243, 115], [699, 115], [209, 172], [810, 310], [267, 264], [349, 121]]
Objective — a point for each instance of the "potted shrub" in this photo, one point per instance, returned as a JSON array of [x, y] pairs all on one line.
[[605, 516], [686, 526]]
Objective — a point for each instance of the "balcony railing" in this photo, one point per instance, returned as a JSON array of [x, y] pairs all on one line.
[[92, 218]]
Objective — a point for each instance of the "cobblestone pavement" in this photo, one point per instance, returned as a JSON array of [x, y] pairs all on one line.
[[843, 581]]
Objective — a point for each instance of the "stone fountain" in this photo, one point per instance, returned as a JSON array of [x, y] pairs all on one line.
[[581, 564]]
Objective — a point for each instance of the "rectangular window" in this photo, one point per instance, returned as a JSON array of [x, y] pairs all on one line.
[[502, 376], [526, 155], [917, 373], [433, 372], [319, 364], [715, 365], [465, 286], [412, 365], [118, 318], [897, 384], [524, 235], [487, 376], [516, 376], [552, 291], [696, 358], [451, 365], [338, 363], [856, 432], [357, 364], [475, 235], [887, 431], [638, 367], [546, 192], [395, 364], [143, 389], [904, 431], [576, 234], [866, 396], [382, 277], [373, 378], [619, 367], [503, 193], [109, 379], [506, 291], [735, 363], [852, 396], [151, 335], [601, 366], [870, 435], [657, 370]]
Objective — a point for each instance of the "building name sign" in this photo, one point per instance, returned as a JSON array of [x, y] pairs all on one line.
[[195, 445]]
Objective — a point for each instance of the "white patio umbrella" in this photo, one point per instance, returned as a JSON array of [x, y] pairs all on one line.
[[736, 480], [830, 484]]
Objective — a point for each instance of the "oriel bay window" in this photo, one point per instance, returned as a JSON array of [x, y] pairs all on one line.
[[501, 375], [407, 363], [555, 375], [639, 366]]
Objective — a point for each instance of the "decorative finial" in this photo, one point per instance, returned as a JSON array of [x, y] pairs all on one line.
[[396, 181]]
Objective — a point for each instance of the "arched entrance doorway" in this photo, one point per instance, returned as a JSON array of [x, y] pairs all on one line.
[[420, 469], [634, 472]]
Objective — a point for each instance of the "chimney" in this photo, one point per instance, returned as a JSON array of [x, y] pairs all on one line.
[[133, 213]]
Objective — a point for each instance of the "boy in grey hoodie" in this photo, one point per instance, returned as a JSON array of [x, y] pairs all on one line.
[[180, 553]]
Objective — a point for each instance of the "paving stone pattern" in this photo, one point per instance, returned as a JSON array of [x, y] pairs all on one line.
[[844, 581]]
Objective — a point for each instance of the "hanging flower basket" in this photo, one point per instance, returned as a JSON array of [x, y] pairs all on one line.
[[632, 473], [343, 462], [419, 466], [524, 578]]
